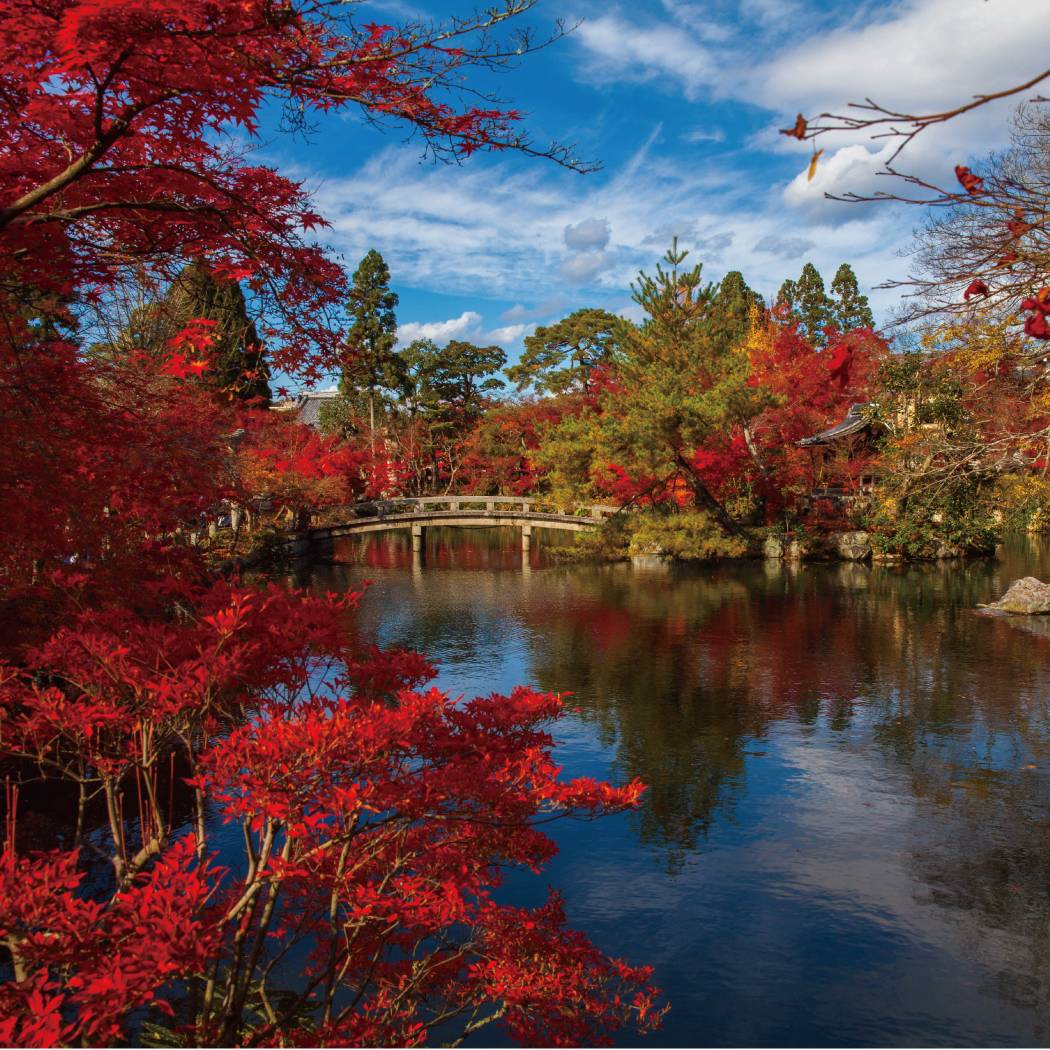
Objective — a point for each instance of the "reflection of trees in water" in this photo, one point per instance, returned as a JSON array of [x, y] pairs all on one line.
[[681, 673], [454, 601]]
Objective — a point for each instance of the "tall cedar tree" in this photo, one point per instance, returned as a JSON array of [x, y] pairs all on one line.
[[560, 357], [162, 697], [373, 363], [851, 309], [805, 301], [729, 320]]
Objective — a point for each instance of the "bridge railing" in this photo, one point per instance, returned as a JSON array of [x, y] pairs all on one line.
[[495, 504]]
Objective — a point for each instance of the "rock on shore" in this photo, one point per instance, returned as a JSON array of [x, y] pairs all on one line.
[[1027, 597]]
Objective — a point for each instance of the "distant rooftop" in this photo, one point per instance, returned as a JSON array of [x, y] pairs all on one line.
[[308, 406]]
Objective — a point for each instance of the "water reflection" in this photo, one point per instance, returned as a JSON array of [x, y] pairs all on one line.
[[845, 837]]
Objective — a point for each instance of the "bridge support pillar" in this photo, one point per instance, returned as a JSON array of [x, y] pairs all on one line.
[[418, 532], [526, 540]]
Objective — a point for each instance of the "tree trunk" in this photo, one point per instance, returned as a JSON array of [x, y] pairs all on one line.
[[705, 501], [753, 449]]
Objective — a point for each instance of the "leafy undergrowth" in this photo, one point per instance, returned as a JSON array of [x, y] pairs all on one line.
[[687, 537]]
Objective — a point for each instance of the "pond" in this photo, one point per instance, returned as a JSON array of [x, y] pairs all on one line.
[[846, 836]]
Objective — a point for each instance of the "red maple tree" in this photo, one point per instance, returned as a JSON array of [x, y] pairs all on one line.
[[360, 902]]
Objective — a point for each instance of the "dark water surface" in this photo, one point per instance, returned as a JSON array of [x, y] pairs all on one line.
[[846, 837]]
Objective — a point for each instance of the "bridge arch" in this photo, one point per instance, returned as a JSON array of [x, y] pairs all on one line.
[[418, 512]]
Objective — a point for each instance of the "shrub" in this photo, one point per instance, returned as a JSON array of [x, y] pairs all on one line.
[[689, 537]]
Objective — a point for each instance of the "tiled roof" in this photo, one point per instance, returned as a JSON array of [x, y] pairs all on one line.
[[309, 410], [857, 419]]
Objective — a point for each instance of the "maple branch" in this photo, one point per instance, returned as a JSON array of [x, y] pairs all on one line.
[[80, 167], [805, 130]]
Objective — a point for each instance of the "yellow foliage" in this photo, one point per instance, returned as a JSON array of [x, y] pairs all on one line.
[[1023, 500], [977, 344], [761, 336]]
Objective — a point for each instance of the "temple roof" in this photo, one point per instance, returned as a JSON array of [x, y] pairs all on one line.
[[309, 406], [858, 418]]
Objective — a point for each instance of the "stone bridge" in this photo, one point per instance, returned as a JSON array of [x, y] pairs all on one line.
[[417, 512]]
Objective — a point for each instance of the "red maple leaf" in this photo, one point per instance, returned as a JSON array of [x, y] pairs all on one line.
[[798, 131], [842, 364], [969, 182]]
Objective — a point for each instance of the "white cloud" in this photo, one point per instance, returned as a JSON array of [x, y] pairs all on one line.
[[918, 55], [510, 333], [440, 332], [583, 268], [784, 247], [589, 235], [491, 229], [851, 169], [620, 49], [705, 135]]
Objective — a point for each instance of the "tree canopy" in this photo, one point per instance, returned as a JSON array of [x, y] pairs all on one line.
[[681, 379], [560, 357]]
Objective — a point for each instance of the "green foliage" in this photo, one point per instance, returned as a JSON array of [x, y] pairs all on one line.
[[729, 320], [688, 537], [449, 387], [457, 375], [373, 364], [682, 380], [341, 415], [605, 544], [911, 393], [566, 453], [560, 357], [851, 310], [917, 526], [240, 367], [1023, 502], [808, 303]]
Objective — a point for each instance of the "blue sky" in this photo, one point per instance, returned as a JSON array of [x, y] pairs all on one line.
[[680, 101]]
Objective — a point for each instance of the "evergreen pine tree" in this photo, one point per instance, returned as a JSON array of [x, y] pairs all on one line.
[[458, 375], [682, 387], [374, 364], [807, 304], [787, 295], [560, 356], [851, 309]]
